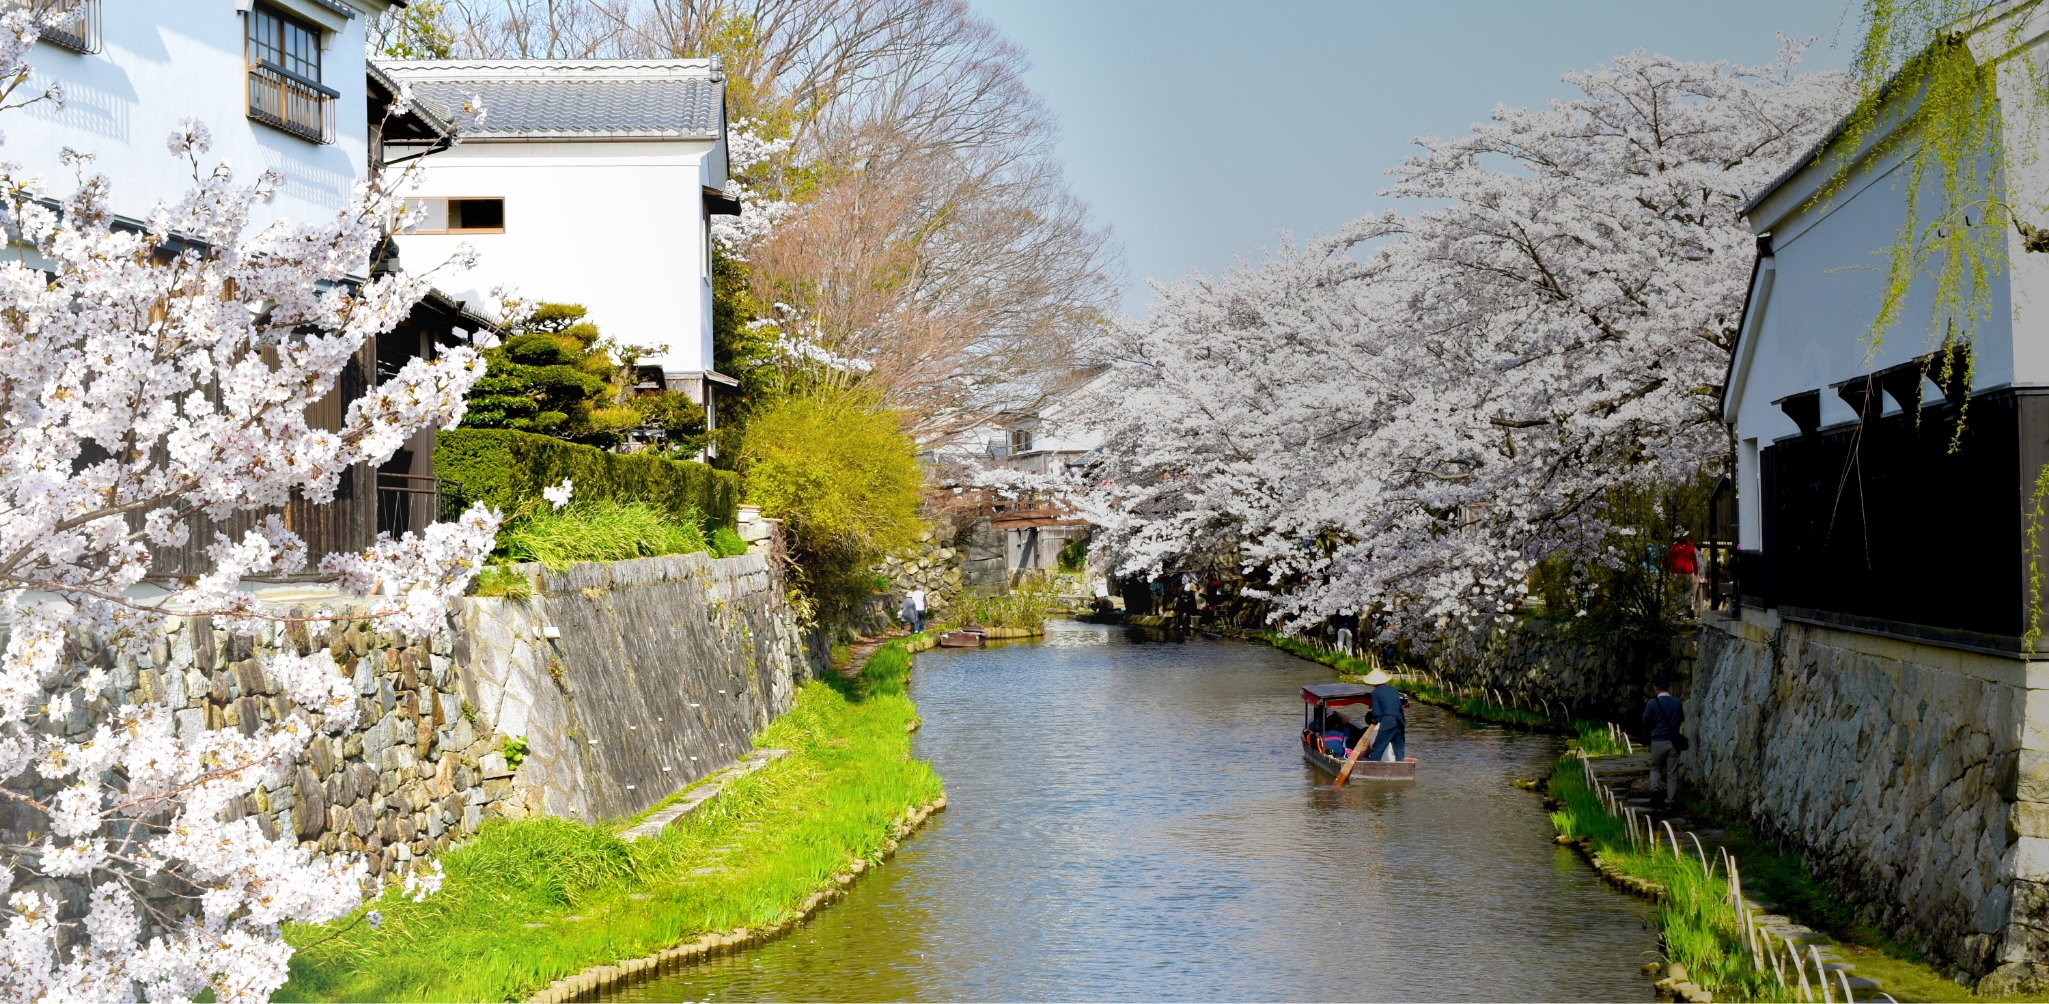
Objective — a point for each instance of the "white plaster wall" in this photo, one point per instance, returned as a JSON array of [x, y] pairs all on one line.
[[1816, 321], [165, 60], [618, 227]]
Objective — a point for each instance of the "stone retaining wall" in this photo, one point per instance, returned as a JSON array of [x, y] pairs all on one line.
[[625, 681], [1916, 777], [1537, 662], [630, 680]]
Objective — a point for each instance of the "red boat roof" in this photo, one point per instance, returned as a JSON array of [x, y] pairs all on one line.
[[1336, 695]]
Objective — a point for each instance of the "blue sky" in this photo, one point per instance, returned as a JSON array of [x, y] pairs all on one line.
[[1199, 129]]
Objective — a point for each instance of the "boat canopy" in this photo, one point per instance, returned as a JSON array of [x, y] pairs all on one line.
[[1337, 694]]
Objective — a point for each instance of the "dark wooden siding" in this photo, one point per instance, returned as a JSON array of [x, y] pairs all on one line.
[[349, 523], [1907, 523]]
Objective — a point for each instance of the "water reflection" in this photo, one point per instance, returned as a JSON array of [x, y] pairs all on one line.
[[1134, 821]]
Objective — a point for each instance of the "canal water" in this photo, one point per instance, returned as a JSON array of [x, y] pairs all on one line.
[[1132, 820]]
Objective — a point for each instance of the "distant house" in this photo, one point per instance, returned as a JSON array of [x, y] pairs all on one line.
[[280, 84], [1049, 439], [591, 182]]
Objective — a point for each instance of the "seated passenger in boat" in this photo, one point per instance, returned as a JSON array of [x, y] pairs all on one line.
[[1334, 737]]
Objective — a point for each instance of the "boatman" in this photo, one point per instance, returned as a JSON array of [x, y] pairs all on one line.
[[1387, 713]]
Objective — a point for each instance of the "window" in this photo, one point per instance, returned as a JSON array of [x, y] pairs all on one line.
[[285, 92], [77, 26], [1020, 440], [459, 216]]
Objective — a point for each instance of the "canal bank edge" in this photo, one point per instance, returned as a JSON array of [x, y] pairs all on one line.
[[596, 981], [593, 983]]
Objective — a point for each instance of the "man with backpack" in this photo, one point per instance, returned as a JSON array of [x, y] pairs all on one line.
[[1662, 717]]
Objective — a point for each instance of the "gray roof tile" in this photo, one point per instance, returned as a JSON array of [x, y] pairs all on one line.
[[577, 99]]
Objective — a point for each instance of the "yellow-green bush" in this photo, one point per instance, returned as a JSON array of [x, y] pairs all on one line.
[[842, 475]]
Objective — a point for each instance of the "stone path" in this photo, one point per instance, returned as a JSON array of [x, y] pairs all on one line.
[[1629, 776], [659, 820]]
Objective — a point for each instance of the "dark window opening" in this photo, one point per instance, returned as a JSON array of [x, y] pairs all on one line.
[[459, 216]]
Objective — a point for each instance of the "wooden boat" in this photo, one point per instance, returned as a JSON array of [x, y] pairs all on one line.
[[1320, 703], [960, 639]]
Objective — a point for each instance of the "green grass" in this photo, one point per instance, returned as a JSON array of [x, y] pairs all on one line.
[[790, 827], [1699, 923], [598, 530], [1024, 607], [1780, 877]]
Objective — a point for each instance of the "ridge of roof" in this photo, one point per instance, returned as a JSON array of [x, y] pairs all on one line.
[[551, 70]]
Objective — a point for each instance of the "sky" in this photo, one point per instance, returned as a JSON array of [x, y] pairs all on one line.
[[1199, 130]]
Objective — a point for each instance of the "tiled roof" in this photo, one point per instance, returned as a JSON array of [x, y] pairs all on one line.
[[576, 98]]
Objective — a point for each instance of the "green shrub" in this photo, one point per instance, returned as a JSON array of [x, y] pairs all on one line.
[[501, 580], [508, 469], [1024, 607], [844, 478], [597, 530], [727, 544]]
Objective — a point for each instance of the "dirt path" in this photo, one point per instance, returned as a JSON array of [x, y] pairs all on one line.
[[858, 652]]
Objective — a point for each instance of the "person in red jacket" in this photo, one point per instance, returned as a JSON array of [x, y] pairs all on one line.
[[1684, 560]]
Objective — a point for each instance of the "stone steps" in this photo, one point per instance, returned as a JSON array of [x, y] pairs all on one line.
[[659, 820]]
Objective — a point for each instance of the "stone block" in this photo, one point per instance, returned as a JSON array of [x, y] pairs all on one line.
[[249, 713], [191, 722], [365, 679], [309, 813], [2014, 979], [362, 818], [493, 766], [249, 678], [362, 781], [472, 817], [378, 738]]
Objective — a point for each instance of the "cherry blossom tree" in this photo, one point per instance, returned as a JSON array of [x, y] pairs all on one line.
[[1400, 419], [148, 377]]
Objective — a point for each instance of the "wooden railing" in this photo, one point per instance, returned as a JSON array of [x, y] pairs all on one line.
[[78, 29], [284, 100]]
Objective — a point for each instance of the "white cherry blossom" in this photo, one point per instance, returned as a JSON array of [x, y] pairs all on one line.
[[147, 376], [1398, 420]]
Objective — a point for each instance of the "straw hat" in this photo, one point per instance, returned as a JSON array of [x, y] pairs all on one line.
[[1377, 677]]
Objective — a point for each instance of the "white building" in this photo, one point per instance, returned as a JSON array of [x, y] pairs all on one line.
[[279, 83], [591, 182], [1890, 548]]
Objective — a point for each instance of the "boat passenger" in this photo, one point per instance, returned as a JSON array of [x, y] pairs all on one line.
[[1333, 733], [1388, 714]]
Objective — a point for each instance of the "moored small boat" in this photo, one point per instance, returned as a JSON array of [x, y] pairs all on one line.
[[1319, 709], [960, 639]]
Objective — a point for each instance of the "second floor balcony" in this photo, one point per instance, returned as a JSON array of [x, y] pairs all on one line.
[[287, 101]]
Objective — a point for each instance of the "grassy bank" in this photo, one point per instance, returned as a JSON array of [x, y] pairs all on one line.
[[1698, 920], [527, 902], [1700, 925]]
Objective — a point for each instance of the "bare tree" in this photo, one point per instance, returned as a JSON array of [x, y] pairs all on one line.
[[938, 243]]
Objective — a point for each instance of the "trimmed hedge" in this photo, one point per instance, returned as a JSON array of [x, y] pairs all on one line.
[[506, 469]]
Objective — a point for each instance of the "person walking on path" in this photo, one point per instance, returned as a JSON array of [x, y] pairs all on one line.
[[1683, 560], [1663, 716], [915, 602], [1388, 714]]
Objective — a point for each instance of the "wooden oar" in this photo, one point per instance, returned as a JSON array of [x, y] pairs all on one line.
[[1351, 761]]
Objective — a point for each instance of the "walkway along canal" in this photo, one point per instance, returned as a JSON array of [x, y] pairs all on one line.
[[1134, 821]]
